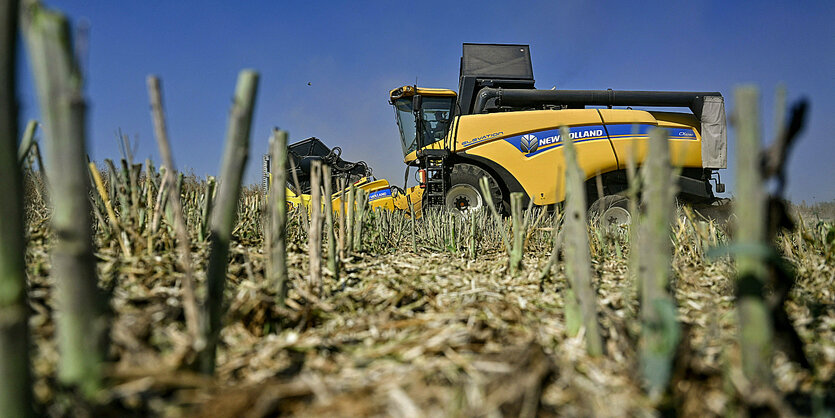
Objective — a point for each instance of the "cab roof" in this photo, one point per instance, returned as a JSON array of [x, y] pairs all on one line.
[[407, 91]]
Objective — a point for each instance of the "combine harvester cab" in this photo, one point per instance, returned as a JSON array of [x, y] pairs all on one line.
[[499, 126]]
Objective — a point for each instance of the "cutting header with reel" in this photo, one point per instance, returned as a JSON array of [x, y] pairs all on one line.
[[300, 156]]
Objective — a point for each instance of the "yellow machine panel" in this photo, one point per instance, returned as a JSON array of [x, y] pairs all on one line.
[[528, 145], [629, 132]]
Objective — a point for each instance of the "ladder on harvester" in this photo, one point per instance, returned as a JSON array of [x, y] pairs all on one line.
[[265, 173], [437, 176]]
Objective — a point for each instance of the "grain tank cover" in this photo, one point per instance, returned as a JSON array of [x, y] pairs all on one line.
[[492, 65], [497, 61]]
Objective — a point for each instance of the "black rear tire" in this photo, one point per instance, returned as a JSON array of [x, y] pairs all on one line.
[[464, 193], [611, 211]]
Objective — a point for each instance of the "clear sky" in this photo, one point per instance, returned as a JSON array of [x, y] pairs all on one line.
[[327, 66]]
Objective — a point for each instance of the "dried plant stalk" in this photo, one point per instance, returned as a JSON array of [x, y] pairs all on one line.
[[333, 261], [192, 314], [133, 181], [556, 247], [149, 201], [349, 236], [299, 193], [451, 244], [412, 222], [160, 202], [660, 330], [111, 214], [15, 378], [497, 217], [750, 205], [223, 218], [206, 210], [577, 256], [341, 219], [518, 232], [27, 140], [362, 203], [634, 181], [314, 237], [81, 321], [472, 246], [36, 149], [277, 273]]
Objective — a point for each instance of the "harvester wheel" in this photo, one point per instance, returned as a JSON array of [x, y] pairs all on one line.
[[464, 194], [611, 211]]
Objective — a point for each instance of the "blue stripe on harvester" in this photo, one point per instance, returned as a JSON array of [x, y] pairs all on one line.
[[534, 143], [379, 194], [628, 129]]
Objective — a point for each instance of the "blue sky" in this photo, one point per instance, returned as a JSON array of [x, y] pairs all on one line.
[[353, 53]]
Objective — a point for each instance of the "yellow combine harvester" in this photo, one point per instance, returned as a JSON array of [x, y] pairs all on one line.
[[499, 126]]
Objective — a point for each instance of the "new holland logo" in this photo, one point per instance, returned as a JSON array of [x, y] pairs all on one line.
[[529, 143]]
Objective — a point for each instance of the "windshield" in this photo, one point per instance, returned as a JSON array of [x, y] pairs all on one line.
[[406, 123], [436, 116]]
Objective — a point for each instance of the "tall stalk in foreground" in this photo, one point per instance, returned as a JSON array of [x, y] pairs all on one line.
[[277, 273], [28, 139], [314, 237], [754, 319], [81, 319], [15, 375], [577, 256], [180, 228], [660, 331], [224, 215]]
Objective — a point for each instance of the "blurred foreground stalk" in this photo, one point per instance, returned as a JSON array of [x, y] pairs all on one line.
[[225, 212], [15, 374], [333, 258], [28, 139], [314, 237], [277, 273], [180, 228], [577, 256], [754, 318], [361, 202], [516, 250], [81, 320], [659, 330]]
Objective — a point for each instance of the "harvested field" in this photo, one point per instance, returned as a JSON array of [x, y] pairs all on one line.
[[131, 291], [433, 333]]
